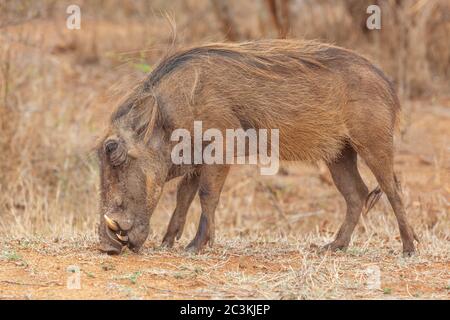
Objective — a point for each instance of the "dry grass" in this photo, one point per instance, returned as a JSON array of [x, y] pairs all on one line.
[[282, 268], [57, 86]]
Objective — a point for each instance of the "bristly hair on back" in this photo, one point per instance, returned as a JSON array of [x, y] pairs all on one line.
[[265, 58]]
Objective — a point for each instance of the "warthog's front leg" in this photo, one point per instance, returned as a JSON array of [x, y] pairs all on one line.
[[212, 178], [187, 188]]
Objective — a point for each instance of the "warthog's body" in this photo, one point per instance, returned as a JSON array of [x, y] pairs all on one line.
[[327, 102]]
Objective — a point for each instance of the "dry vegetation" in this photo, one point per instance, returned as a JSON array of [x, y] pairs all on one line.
[[57, 87]]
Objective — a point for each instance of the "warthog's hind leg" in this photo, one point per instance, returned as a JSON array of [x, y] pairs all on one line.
[[379, 158]]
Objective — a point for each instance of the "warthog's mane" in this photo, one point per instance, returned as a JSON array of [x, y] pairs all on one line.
[[265, 58], [274, 56]]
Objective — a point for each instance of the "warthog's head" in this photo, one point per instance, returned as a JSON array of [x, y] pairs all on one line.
[[132, 175]]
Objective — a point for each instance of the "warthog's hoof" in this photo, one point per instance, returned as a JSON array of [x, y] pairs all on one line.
[[172, 234], [409, 253], [197, 245], [334, 246], [167, 243], [193, 248]]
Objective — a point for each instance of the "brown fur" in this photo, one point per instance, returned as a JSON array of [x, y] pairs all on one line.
[[328, 103]]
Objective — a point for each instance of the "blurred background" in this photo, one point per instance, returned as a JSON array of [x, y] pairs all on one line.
[[58, 87]]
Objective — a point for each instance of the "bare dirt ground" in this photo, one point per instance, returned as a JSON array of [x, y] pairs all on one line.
[[39, 270], [62, 86]]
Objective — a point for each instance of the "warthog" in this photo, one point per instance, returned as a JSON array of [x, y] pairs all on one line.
[[328, 103]]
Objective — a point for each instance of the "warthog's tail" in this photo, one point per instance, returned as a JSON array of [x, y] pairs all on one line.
[[372, 199]]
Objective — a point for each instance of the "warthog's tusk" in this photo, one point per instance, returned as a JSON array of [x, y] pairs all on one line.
[[111, 223], [122, 238]]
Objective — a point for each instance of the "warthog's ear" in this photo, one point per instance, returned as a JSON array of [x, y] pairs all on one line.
[[116, 151]]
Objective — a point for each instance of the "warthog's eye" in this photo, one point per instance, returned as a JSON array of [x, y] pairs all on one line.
[[110, 146], [116, 151]]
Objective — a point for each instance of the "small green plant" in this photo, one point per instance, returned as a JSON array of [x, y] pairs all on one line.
[[89, 274], [143, 67], [387, 290], [11, 256], [134, 276]]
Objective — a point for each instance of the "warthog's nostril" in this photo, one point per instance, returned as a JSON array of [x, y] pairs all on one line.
[[111, 223], [118, 202]]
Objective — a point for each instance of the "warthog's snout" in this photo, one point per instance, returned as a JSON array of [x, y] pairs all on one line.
[[119, 232], [116, 235]]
